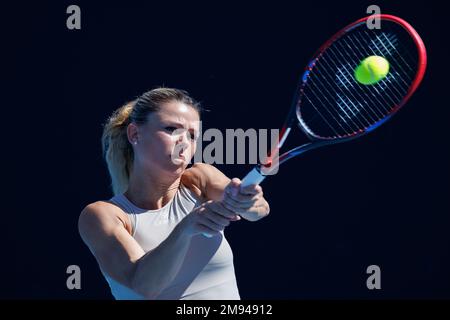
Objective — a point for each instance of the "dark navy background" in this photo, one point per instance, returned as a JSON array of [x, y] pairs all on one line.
[[383, 199]]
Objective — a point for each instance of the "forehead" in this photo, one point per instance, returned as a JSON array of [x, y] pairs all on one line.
[[178, 112]]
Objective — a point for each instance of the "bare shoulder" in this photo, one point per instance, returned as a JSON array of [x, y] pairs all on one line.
[[202, 177], [202, 171], [208, 169], [101, 216]]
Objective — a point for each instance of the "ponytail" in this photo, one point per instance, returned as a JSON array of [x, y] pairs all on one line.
[[117, 151]]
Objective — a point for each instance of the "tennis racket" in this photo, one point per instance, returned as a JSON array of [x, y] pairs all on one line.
[[331, 106]]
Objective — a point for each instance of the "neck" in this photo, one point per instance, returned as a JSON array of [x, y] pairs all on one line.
[[151, 191]]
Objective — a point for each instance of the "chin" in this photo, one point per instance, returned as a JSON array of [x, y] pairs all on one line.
[[177, 166]]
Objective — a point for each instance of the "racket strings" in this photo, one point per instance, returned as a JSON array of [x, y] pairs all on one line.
[[344, 115], [392, 41], [396, 64], [343, 72], [318, 90], [334, 104], [325, 76], [356, 95], [386, 51], [375, 92]]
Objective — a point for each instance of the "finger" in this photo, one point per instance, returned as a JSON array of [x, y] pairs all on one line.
[[238, 204], [238, 208], [235, 182], [204, 221], [251, 189], [235, 210], [233, 186], [220, 209], [218, 219], [244, 198], [236, 218]]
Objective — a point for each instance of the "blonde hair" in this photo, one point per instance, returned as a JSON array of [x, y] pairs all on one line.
[[117, 150]]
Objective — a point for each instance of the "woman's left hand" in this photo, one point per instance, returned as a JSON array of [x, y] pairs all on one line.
[[248, 201]]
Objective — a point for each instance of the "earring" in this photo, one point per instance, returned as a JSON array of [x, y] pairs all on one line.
[[135, 142]]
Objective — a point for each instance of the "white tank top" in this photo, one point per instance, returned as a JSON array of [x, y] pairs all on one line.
[[207, 272]]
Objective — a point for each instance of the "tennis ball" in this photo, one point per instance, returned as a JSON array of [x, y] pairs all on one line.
[[371, 70]]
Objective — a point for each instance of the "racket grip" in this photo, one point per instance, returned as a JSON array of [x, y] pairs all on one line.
[[253, 177]]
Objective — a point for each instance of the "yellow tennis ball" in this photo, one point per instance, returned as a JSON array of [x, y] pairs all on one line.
[[371, 70]]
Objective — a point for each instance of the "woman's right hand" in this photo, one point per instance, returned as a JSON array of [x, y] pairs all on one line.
[[209, 218]]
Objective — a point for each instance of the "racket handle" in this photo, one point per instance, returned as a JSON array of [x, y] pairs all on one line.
[[253, 177]]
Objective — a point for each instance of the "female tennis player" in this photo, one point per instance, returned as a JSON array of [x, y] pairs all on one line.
[[161, 235]]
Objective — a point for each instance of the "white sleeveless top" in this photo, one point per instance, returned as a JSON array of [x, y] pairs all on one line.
[[207, 272]]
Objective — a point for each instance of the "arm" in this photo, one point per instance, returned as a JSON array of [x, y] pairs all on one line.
[[102, 228], [210, 183], [122, 258]]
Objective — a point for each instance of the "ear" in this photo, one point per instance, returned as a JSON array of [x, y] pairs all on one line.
[[132, 133]]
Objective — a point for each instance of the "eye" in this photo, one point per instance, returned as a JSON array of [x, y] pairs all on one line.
[[170, 129], [193, 135]]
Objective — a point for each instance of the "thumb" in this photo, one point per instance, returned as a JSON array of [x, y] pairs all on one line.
[[235, 182], [235, 185]]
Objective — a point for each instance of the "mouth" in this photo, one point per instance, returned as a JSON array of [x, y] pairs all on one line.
[[180, 154]]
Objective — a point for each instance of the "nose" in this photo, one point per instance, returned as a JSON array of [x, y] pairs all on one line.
[[184, 137], [182, 142]]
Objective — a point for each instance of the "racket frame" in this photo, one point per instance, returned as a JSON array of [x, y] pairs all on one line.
[[260, 171]]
